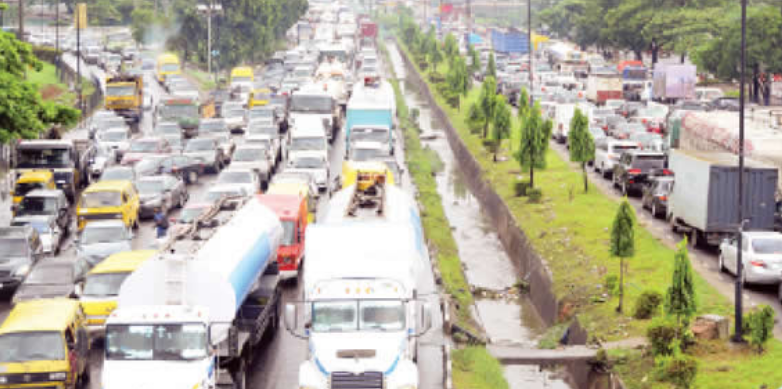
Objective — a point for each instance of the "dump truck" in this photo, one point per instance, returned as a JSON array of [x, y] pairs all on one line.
[[703, 203], [69, 161], [186, 112], [125, 96], [204, 302]]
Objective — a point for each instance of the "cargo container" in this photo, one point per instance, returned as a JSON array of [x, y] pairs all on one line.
[[704, 199], [674, 82], [604, 86]]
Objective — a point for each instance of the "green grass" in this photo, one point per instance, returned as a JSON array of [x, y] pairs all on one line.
[[50, 86], [570, 230], [205, 80], [475, 368]]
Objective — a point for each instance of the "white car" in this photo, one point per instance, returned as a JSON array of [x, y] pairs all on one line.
[[607, 153], [117, 139], [235, 117], [761, 256], [253, 157], [247, 179], [312, 163], [149, 99], [270, 143]]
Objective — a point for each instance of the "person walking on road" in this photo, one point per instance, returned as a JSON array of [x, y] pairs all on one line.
[[161, 223]]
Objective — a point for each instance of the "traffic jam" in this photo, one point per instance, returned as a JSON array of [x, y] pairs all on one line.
[[182, 230]]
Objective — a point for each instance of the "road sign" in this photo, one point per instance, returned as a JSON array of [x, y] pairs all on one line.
[[80, 16], [215, 53]]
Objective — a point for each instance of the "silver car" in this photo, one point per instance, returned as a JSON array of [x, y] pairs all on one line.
[[255, 158], [761, 257], [101, 238], [163, 191]]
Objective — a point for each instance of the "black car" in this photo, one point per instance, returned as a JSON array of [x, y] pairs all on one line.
[[184, 166], [635, 167], [725, 104], [52, 278], [655, 195]]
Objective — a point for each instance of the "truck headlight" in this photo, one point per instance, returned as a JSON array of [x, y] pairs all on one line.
[[3, 380], [22, 271], [59, 376]]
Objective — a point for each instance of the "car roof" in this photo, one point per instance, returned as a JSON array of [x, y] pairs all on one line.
[[111, 185], [41, 315], [125, 261], [104, 223]]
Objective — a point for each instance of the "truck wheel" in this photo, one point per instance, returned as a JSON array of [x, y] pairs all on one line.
[[240, 375], [695, 238]]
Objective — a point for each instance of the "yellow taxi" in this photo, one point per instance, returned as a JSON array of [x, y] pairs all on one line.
[[30, 181], [44, 345], [259, 97], [98, 297], [242, 74], [107, 200], [296, 188]]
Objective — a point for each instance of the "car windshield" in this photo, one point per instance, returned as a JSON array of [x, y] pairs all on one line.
[[118, 173], [49, 275], [150, 186], [357, 154], [101, 199], [288, 232], [31, 346], [261, 113], [308, 143], [167, 129], [265, 130], [41, 226], [104, 284], [189, 214], [23, 188], [10, 247], [37, 206], [212, 127], [114, 136], [341, 316], [103, 234], [214, 195], [120, 90], [308, 163], [170, 342], [767, 246], [179, 111], [146, 146], [649, 161], [229, 177], [309, 103], [200, 145], [234, 112], [50, 157], [249, 155]]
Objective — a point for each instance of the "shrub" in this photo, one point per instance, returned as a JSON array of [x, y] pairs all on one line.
[[759, 325], [647, 305], [661, 334], [678, 369], [535, 195], [610, 283], [520, 188]]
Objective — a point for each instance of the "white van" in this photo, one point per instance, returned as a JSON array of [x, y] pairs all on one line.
[[308, 134], [607, 153]]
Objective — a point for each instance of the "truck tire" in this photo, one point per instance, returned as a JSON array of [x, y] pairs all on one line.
[[240, 375], [695, 238]]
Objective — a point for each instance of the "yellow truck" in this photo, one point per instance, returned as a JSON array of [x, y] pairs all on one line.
[[125, 96], [167, 64], [365, 173], [98, 296]]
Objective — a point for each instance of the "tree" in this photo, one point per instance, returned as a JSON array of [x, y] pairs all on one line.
[[501, 127], [582, 146], [524, 107], [23, 114], [491, 68], [680, 300], [533, 143], [623, 242], [475, 59], [475, 118], [450, 47], [434, 54], [487, 101]]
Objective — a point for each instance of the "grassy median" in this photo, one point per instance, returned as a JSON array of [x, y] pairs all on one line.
[[570, 230]]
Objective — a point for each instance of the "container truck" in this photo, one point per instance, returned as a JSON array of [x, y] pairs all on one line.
[[371, 106], [674, 82], [604, 86], [190, 316], [703, 202], [363, 261]]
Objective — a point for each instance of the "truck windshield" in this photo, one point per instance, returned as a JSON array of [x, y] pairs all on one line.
[[13, 248], [23, 188], [379, 135], [374, 315], [104, 284], [288, 232], [180, 110], [767, 246], [101, 199], [170, 67], [305, 103], [31, 346], [357, 154], [31, 158], [169, 342], [37, 206], [120, 90], [308, 143]]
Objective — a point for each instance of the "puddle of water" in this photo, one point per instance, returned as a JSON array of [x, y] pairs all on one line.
[[532, 377], [510, 321]]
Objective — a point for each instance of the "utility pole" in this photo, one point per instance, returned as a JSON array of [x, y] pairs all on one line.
[[209, 37], [57, 36], [21, 20], [739, 310], [529, 41]]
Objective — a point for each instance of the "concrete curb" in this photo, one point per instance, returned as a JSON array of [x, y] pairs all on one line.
[[447, 368]]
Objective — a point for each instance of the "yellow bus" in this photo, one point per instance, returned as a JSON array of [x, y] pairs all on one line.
[[167, 64]]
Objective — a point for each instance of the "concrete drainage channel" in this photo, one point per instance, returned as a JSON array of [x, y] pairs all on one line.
[[508, 318]]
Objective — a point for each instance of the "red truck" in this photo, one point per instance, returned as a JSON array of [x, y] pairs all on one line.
[[292, 211], [368, 33]]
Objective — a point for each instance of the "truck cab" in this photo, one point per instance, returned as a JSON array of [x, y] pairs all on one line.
[[167, 64], [30, 181], [67, 160], [125, 96], [317, 103], [292, 211]]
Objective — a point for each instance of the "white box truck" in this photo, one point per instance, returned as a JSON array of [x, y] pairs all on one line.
[[190, 318]]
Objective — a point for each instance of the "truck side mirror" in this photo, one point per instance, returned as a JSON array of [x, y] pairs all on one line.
[[291, 318], [425, 319]]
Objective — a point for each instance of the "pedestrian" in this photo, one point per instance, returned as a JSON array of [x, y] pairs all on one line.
[[161, 223]]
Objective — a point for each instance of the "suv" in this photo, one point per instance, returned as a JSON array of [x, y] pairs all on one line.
[[48, 209], [634, 169], [608, 151], [20, 249], [655, 195]]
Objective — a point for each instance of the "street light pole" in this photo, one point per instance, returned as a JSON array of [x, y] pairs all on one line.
[[529, 41], [209, 37], [737, 337]]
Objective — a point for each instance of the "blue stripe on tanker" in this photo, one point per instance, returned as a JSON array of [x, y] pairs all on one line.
[[247, 272]]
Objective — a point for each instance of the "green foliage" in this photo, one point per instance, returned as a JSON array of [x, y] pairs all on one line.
[[450, 47], [533, 143], [475, 118], [488, 102], [623, 231], [501, 124], [491, 67], [678, 368], [582, 146], [760, 326], [524, 107], [535, 195], [611, 284], [661, 334], [457, 78], [680, 299], [475, 59], [647, 305]]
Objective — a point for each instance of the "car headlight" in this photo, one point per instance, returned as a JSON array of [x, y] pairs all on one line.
[[22, 271], [59, 376]]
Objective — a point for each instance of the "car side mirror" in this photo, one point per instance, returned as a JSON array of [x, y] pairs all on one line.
[[78, 290], [291, 318]]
